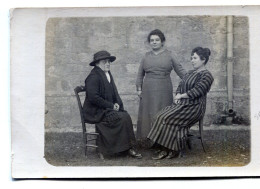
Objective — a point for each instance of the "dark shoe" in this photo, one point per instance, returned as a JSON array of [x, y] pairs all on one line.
[[161, 155], [157, 151], [134, 154], [172, 154], [181, 154]]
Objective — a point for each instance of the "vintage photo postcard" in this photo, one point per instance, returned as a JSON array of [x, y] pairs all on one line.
[[135, 92]]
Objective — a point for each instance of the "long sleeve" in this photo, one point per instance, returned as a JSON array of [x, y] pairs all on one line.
[[202, 86], [178, 90], [93, 93], [140, 75], [178, 68]]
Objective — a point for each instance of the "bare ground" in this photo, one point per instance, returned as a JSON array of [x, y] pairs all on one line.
[[224, 148]]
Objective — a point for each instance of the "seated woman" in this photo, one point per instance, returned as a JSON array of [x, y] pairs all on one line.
[[171, 123], [104, 107]]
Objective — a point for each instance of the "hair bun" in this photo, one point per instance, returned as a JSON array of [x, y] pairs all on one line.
[[207, 51]]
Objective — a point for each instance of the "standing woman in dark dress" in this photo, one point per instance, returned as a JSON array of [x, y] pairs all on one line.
[[172, 122], [154, 85], [104, 107]]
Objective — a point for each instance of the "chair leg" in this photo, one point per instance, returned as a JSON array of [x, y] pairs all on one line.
[[202, 145], [86, 148], [85, 144], [101, 156], [182, 146], [201, 134], [188, 142], [182, 152], [184, 139]]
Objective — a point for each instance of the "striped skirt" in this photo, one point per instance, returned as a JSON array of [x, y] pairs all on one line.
[[172, 123]]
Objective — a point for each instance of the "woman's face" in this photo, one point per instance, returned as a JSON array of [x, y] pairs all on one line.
[[155, 42], [196, 61], [104, 65]]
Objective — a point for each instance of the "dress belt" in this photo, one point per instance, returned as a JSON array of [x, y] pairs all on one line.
[[159, 75]]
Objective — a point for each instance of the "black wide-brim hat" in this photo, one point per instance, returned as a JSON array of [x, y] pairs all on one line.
[[101, 55]]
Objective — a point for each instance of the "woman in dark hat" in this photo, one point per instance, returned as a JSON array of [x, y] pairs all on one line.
[[104, 107], [153, 83], [172, 122]]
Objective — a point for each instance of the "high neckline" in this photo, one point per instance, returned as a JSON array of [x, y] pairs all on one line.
[[153, 52], [198, 71]]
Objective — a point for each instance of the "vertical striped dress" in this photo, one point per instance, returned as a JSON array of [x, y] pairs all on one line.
[[173, 122]]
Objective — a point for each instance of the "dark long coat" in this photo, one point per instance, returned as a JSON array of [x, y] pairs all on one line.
[[115, 127], [100, 96]]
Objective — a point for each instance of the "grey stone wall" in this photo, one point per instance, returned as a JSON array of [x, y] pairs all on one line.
[[71, 43]]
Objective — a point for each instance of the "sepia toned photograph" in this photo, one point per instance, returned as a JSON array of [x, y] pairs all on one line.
[[134, 92], [147, 91]]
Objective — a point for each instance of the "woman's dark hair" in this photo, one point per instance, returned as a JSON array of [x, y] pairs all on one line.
[[157, 32], [203, 53]]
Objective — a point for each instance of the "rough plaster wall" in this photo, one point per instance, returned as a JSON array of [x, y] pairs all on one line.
[[241, 67], [71, 43]]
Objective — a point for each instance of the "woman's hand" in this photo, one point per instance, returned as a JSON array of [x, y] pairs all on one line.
[[139, 93], [177, 101], [116, 107], [177, 98]]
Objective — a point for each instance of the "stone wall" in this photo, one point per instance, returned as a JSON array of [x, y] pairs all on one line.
[[71, 43]]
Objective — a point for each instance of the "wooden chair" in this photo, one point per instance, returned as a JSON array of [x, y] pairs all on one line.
[[200, 136], [87, 136], [186, 140]]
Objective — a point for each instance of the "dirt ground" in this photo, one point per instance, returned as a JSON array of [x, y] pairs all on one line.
[[223, 148]]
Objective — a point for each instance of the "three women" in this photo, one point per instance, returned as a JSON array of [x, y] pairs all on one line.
[[160, 119]]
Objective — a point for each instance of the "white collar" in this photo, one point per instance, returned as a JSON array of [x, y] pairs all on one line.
[[108, 76]]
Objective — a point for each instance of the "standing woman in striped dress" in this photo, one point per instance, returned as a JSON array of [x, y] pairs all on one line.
[[189, 107]]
